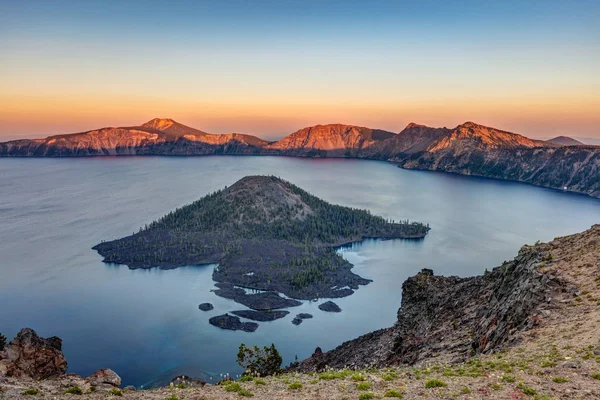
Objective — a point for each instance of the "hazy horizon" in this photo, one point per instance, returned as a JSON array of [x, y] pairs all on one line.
[[273, 67]]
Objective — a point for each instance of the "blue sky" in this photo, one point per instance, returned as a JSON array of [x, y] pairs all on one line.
[[270, 67]]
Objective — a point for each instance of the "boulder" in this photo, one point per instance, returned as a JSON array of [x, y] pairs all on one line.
[[29, 355], [104, 376], [205, 307]]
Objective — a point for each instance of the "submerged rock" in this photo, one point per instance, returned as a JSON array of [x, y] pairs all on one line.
[[29, 355], [230, 322], [330, 306], [261, 316], [205, 307]]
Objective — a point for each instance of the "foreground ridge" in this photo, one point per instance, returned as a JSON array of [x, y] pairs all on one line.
[[468, 149]]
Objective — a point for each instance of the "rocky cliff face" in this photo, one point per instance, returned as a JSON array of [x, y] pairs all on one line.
[[330, 141], [156, 137], [29, 355], [451, 318], [572, 168]]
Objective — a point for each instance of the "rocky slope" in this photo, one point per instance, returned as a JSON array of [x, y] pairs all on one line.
[[468, 149], [571, 168], [335, 140], [451, 319]]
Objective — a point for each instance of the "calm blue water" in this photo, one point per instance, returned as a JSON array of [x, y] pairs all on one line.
[[146, 324]]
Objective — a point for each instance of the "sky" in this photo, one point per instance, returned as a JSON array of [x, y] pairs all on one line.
[[271, 67]]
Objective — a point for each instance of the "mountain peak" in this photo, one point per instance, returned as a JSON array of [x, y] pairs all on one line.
[[414, 125], [159, 123], [471, 124]]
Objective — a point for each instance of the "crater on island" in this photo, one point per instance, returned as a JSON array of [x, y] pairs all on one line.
[[265, 234]]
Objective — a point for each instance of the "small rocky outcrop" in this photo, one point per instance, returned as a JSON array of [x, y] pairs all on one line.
[[330, 306], [29, 355], [301, 317], [187, 382], [104, 377], [261, 316], [205, 307], [230, 322]]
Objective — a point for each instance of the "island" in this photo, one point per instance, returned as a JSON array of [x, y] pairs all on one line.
[[266, 235]]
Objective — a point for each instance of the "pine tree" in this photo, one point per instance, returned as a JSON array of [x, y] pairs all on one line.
[[2, 341]]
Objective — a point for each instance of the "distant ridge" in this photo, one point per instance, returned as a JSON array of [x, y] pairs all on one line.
[[469, 149], [565, 141]]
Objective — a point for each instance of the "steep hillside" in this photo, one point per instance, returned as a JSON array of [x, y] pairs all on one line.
[[330, 141], [451, 319], [572, 168], [156, 137]]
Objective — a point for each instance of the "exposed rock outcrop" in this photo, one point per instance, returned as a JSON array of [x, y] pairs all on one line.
[[104, 377], [29, 355], [451, 318]]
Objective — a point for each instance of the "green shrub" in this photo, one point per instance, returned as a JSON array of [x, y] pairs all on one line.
[[559, 379], [74, 390], [434, 383], [465, 390], [295, 386], [526, 389], [357, 377], [366, 396], [596, 376], [264, 362], [173, 397], [390, 377], [31, 392], [363, 386], [233, 387], [116, 392], [245, 393], [393, 393], [508, 378], [245, 378], [259, 382]]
